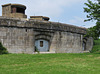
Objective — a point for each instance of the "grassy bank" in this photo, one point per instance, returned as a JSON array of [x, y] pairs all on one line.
[[83, 63], [96, 47]]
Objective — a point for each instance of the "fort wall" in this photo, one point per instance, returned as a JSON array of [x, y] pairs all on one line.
[[19, 36]]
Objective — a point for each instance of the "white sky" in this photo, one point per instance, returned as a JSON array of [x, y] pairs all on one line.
[[64, 11]]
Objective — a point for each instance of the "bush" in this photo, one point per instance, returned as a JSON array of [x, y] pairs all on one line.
[[3, 50], [96, 47], [36, 50]]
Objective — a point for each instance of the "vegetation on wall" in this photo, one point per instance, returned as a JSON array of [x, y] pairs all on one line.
[[3, 50]]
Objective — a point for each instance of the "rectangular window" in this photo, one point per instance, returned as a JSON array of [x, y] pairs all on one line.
[[41, 43]]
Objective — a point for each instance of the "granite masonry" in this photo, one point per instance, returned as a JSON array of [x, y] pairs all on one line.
[[21, 35]]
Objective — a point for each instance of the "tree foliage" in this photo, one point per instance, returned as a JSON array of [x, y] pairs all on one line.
[[93, 10]]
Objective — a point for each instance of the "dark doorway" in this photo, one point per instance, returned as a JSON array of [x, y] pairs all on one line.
[[84, 45]]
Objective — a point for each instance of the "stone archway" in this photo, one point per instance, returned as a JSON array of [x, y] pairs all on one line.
[[42, 45]]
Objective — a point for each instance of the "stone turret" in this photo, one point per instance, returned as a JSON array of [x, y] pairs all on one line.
[[14, 10]]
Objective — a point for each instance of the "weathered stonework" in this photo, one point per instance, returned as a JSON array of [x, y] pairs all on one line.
[[20, 35]]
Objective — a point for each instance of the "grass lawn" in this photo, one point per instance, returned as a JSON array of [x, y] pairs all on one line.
[[81, 63]]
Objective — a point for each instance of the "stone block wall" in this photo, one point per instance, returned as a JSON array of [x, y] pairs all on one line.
[[17, 40], [6, 11], [89, 43], [19, 35], [18, 15], [66, 42]]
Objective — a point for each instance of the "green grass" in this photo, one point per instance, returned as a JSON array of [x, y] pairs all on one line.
[[96, 47], [82, 63]]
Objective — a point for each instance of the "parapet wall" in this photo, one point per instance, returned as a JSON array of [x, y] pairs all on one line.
[[45, 25]]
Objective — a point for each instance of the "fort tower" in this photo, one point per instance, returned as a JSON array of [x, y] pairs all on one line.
[[14, 10]]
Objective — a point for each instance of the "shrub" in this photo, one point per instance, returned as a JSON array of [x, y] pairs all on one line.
[[36, 50], [96, 47], [3, 50]]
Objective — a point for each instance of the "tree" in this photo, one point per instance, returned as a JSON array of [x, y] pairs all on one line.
[[93, 10], [91, 32]]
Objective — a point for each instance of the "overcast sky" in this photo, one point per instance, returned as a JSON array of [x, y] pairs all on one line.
[[64, 11]]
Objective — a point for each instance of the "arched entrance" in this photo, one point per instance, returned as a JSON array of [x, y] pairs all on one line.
[[42, 45]]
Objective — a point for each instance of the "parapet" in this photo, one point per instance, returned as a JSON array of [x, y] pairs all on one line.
[[40, 25]]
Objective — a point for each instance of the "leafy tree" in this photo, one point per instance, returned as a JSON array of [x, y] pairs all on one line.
[[91, 32], [93, 10]]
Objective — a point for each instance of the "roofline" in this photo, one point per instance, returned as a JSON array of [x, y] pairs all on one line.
[[38, 17], [14, 5]]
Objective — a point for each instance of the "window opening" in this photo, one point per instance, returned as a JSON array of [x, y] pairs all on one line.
[[41, 43], [20, 10]]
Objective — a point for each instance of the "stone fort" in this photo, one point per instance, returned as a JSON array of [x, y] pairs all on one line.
[[21, 35]]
